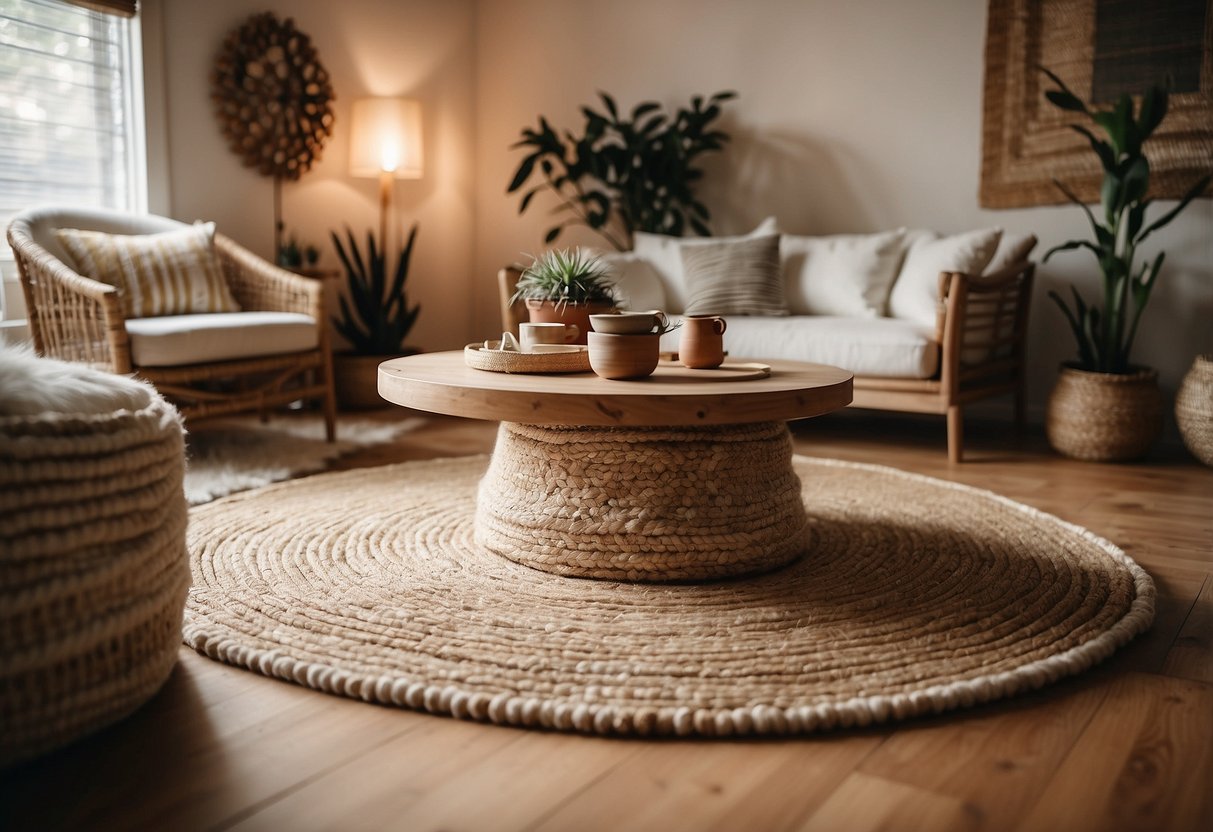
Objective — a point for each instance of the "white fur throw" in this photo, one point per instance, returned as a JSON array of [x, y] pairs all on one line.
[[30, 385]]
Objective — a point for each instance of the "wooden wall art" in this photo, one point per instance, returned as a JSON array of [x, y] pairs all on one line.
[[1101, 49], [272, 96]]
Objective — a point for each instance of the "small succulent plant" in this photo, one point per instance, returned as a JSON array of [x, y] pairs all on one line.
[[565, 276]]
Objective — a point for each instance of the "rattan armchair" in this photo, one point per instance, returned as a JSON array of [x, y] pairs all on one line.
[[77, 318]]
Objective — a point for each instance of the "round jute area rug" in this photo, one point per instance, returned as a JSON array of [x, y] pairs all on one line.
[[915, 596]]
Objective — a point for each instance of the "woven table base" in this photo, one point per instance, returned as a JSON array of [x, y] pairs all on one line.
[[663, 504], [919, 596]]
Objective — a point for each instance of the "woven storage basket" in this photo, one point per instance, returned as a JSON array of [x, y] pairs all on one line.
[[1194, 409], [93, 567], [1104, 417]]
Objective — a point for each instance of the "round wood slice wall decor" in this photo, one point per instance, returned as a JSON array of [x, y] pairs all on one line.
[[273, 97]]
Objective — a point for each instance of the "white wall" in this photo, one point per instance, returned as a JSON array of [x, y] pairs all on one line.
[[421, 49], [855, 116]]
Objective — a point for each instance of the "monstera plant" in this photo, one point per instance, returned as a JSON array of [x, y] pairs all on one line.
[[1114, 411], [623, 172]]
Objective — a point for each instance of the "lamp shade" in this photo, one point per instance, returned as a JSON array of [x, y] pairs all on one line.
[[385, 136]]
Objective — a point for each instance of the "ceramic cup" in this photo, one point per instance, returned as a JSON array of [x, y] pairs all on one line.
[[629, 323], [624, 356], [535, 333], [701, 346]]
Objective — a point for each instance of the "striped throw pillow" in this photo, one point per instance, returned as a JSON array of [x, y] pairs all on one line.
[[172, 273], [734, 277]]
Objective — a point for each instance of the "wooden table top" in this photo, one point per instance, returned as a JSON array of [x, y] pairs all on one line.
[[442, 383]]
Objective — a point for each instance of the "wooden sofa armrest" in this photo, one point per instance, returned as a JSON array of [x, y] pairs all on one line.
[[982, 327], [512, 314], [260, 286], [71, 317]]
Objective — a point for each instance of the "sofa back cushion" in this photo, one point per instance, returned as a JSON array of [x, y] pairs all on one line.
[[170, 273], [915, 294], [664, 254], [734, 277], [1012, 248], [637, 286], [848, 275]]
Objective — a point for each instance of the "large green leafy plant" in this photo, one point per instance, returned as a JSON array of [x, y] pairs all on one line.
[[1105, 334], [377, 317], [624, 173]]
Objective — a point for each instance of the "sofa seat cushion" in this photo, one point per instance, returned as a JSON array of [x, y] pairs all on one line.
[[177, 340], [885, 347]]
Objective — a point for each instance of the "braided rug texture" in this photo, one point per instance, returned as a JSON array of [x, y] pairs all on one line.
[[918, 596]]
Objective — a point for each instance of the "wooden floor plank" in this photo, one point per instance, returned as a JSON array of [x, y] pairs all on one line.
[[865, 803], [1192, 655], [1143, 763]]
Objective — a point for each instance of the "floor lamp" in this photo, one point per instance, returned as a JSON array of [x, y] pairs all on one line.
[[385, 143]]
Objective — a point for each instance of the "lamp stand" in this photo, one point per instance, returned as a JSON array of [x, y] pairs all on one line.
[[385, 205]]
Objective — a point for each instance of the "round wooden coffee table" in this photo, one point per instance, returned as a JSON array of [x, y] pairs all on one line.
[[678, 476]]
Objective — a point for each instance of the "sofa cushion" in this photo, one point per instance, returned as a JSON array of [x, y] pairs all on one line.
[[664, 253], [177, 340], [915, 295], [170, 273], [1012, 248], [637, 286], [845, 274], [865, 346], [734, 277]]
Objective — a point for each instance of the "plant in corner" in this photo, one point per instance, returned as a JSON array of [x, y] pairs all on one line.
[[624, 173], [376, 318], [1104, 407], [566, 286]]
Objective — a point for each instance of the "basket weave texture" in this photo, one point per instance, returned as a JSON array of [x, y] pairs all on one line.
[[1104, 417], [93, 570], [1194, 409], [524, 362]]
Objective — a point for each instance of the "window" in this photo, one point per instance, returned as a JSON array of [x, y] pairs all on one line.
[[71, 126]]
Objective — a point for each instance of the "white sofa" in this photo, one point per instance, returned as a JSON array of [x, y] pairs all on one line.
[[926, 323]]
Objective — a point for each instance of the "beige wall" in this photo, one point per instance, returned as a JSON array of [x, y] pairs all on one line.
[[421, 49], [853, 116]]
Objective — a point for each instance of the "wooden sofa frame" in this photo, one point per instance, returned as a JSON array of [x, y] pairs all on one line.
[[981, 328], [76, 318]]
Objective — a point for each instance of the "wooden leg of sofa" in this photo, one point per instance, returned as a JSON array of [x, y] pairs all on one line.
[[955, 434], [1021, 411], [330, 400]]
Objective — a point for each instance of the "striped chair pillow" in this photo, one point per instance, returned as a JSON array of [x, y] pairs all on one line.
[[734, 277], [172, 273]]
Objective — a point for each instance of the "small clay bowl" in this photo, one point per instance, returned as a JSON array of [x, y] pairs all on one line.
[[627, 323], [624, 356]]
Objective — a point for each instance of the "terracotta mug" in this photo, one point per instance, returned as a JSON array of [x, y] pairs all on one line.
[[701, 346], [544, 333]]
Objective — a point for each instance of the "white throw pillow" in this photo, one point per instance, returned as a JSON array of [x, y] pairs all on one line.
[[637, 286], [915, 295], [848, 275], [1012, 248], [664, 254]]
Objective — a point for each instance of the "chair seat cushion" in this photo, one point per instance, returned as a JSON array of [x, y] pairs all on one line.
[[177, 340], [885, 347]]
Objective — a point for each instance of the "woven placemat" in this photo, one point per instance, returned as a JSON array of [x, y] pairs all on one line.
[[919, 596]]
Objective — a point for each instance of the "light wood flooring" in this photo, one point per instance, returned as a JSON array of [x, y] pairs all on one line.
[[1128, 745]]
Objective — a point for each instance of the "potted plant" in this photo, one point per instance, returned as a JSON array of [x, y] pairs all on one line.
[[375, 319], [1104, 407], [624, 173], [566, 286]]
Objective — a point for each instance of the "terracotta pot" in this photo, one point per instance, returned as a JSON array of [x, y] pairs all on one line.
[[701, 345], [624, 356], [1104, 417], [1194, 409], [356, 379], [546, 312]]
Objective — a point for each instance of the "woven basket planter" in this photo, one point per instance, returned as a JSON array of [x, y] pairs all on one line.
[[1104, 417], [93, 568], [1194, 409]]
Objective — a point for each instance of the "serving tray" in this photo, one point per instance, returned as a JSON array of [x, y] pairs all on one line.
[[496, 361]]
